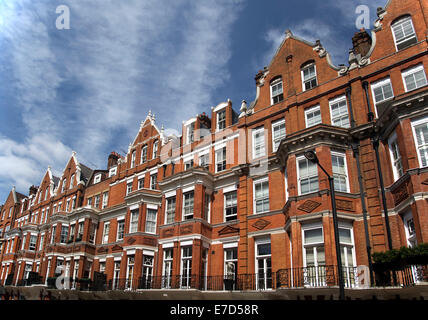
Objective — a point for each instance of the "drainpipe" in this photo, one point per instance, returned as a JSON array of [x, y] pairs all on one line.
[[370, 115], [351, 112]]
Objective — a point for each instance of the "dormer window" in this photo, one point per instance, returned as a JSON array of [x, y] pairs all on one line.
[[403, 32], [276, 91], [97, 178], [112, 172], [221, 119], [309, 76]]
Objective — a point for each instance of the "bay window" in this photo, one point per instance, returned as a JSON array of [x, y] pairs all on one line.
[[314, 255], [188, 199], [307, 175], [151, 220], [261, 195], [133, 226], [263, 264], [420, 133], [340, 175], [186, 267], [170, 210]]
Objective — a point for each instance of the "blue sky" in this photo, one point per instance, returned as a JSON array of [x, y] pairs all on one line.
[[87, 88]]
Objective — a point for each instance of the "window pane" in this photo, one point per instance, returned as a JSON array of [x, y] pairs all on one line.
[[313, 236], [345, 236], [263, 249]]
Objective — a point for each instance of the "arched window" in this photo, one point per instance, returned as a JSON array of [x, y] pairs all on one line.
[[309, 75], [276, 90], [403, 32]]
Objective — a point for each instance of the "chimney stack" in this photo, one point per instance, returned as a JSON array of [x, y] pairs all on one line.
[[112, 159], [361, 42]]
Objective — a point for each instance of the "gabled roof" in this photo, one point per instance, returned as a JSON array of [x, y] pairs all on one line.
[[289, 35], [150, 120]]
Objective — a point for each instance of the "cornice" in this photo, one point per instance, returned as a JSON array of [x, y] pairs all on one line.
[[310, 138]]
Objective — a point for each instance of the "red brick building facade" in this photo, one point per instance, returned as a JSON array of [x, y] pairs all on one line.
[[234, 196]]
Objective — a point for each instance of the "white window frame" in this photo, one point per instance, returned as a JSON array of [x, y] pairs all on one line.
[[275, 83], [71, 181], [46, 196], [257, 257], [97, 178], [105, 199], [262, 151], [278, 123], [141, 182], [190, 132], [223, 120], [220, 159], [153, 181], [395, 162], [400, 22], [186, 260], [151, 223], [416, 123], [381, 83], [170, 211], [33, 242], [303, 76], [298, 175], [133, 157], [167, 267], [204, 160], [184, 205], [255, 182], [312, 110], [64, 183], [119, 223], [341, 115], [143, 157], [343, 155], [133, 220], [106, 232], [412, 71], [64, 234], [112, 171], [155, 149], [128, 188], [97, 200], [317, 274], [235, 216]]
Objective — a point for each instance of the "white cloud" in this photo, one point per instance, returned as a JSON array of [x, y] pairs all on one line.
[[88, 88], [24, 164]]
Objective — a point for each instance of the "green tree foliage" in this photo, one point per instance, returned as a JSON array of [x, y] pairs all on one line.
[[398, 258]]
